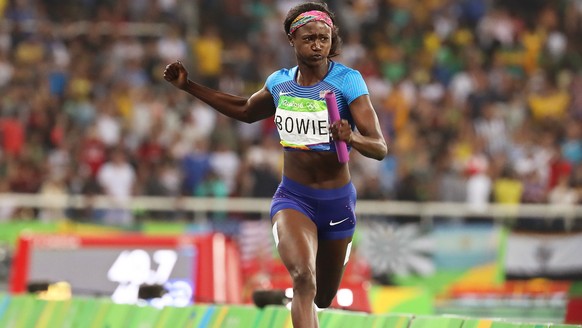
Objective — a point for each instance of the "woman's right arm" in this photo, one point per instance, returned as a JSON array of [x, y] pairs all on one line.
[[257, 107]]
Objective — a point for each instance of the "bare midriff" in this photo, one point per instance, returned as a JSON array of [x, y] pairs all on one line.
[[319, 170]]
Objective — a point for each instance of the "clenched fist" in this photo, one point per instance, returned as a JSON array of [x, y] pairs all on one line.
[[176, 74], [341, 130]]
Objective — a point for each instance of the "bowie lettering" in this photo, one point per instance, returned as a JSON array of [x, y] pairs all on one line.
[[302, 122]]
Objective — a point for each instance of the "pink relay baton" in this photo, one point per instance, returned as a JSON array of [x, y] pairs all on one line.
[[340, 145]]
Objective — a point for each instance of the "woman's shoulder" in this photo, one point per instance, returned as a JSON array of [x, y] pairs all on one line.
[[284, 72], [340, 74], [339, 68], [281, 75]]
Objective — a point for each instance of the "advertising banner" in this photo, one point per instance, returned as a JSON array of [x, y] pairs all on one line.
[[189, 268], [548, 255]]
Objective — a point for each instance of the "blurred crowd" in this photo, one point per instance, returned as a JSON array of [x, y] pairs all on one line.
[[480, 100]]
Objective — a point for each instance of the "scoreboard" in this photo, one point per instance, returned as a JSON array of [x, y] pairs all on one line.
[[199, 268]]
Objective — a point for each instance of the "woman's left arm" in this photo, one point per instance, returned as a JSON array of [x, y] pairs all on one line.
[[368, 138]]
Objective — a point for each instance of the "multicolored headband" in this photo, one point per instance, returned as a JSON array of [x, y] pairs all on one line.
[[310, 16]]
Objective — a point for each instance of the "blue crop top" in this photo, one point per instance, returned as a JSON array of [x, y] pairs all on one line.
[[300, 118]]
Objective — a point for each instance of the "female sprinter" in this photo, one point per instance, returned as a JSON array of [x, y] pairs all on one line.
[[313, 208]]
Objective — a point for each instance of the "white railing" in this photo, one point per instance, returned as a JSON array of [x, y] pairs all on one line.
[[262, 205]]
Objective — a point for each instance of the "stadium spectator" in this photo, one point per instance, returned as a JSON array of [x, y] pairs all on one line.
[[86, 75], [117, 179]]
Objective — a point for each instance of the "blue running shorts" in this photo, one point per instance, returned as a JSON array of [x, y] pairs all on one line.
[[332, 210]]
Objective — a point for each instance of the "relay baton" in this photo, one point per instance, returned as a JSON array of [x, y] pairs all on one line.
[[340, 146]]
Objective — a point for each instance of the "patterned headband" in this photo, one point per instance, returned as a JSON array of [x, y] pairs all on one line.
[[310, 16]]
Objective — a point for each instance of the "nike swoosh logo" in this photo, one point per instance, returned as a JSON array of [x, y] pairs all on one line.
[[331, 223], [281, 93]]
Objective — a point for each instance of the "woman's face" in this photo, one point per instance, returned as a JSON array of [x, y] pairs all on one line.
[[312, 43]]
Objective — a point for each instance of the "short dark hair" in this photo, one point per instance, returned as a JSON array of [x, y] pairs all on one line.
[[336, 40]]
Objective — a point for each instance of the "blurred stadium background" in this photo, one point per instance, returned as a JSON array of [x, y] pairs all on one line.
[[115, 183]]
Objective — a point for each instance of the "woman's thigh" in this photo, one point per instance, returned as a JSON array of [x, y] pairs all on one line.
[[296, 237]]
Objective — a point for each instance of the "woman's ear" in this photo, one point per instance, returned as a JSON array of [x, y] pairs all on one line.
[[290, 39]]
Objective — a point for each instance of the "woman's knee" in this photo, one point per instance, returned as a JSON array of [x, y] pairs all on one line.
[[303, 280]]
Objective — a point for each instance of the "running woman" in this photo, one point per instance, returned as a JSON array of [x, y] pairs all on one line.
[[313, 209]]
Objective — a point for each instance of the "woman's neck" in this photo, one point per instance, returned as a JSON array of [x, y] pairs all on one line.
[[310, 75]]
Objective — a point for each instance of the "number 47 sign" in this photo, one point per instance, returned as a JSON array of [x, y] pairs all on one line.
[[133, 268]]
